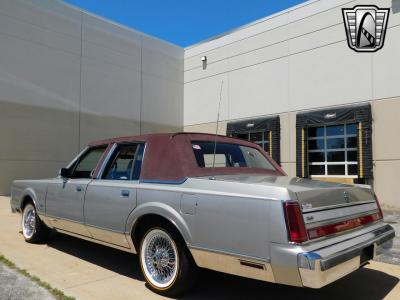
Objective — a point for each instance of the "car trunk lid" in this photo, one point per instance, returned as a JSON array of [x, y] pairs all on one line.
[[327, 208], [335, 210]]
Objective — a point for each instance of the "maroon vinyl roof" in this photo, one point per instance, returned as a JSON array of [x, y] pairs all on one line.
[[169, 157]]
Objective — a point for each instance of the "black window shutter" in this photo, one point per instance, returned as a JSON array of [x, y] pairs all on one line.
[[271, 124]]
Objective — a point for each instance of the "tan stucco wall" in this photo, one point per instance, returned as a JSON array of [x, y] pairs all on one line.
[[386, 147], [386, 150]]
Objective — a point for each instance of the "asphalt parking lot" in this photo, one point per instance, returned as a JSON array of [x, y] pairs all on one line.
[[10, 279], [89, 271]]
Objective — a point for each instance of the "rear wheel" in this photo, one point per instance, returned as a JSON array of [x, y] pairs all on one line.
[[166, 263], [33, 229]]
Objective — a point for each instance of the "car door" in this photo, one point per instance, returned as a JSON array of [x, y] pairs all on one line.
[[112, 196], [65, 196]]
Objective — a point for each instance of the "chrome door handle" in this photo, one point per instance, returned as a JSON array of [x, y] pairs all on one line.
[[124, 193], [79, 189]]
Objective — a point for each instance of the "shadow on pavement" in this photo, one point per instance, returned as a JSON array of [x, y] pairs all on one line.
[[363, 284], [120, 262]]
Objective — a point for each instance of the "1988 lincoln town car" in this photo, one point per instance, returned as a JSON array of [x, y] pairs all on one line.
[[189, 200]]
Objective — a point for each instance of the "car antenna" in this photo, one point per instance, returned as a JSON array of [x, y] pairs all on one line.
[[216, 130]]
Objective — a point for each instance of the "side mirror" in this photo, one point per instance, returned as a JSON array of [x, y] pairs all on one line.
[[64, 172]]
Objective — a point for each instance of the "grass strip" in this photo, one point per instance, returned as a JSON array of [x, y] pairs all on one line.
[[59, 295]]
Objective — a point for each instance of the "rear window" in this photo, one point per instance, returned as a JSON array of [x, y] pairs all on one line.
[[229, 156]]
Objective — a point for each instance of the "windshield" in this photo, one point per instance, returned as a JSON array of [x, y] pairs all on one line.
[[229, 156]]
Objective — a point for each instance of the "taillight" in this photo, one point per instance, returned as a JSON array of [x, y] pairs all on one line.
[[321, 231], [294, 222]]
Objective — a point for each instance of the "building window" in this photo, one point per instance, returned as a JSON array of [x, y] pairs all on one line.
[[333, 151], [263, 131], [260, 138]]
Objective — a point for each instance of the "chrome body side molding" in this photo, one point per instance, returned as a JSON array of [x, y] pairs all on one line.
[[233, 264]]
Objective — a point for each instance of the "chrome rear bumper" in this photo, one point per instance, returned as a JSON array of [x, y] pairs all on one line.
[[323, 266]]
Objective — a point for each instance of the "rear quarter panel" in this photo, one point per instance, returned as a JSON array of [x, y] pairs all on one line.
[[229, 217], [162, 200]]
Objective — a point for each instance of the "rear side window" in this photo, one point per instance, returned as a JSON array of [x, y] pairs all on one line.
[[126, 163], [229, 156]]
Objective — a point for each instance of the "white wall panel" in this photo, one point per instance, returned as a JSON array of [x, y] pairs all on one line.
[[50, 14], [39, 101], [110, 36], [317, 39], [259, 56], [164, 105], [202, 98], [317, 22], [263, 40], [259, 90], [213, 56], [312, 8], [162, 65], [163, 47], [110, 90], [260, 27], [386, 66], [40, 35], [107, 55], [211, 70], [331, 75], [37, 75]]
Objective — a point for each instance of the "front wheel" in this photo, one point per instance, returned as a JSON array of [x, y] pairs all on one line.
[[166, 263], [33, 229]]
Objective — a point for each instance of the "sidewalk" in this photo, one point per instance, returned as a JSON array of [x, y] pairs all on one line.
[[89, 271], [393, 255]]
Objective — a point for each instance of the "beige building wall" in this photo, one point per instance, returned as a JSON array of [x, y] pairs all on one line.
[[68, 77], [386, 150], [295, 61]]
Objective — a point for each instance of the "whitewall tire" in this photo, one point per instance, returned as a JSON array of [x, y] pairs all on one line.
[[33, 229], [166, 263]]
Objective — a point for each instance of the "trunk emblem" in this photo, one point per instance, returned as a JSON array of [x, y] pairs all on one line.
[[346, 196]]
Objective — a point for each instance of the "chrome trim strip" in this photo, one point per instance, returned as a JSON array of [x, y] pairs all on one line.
[[233, 264], [53, 218], [164, 181], [105, 161], [240, 256], [336, 206]]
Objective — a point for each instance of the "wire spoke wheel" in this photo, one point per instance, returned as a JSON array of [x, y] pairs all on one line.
[[159, 258], [29, 221]]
